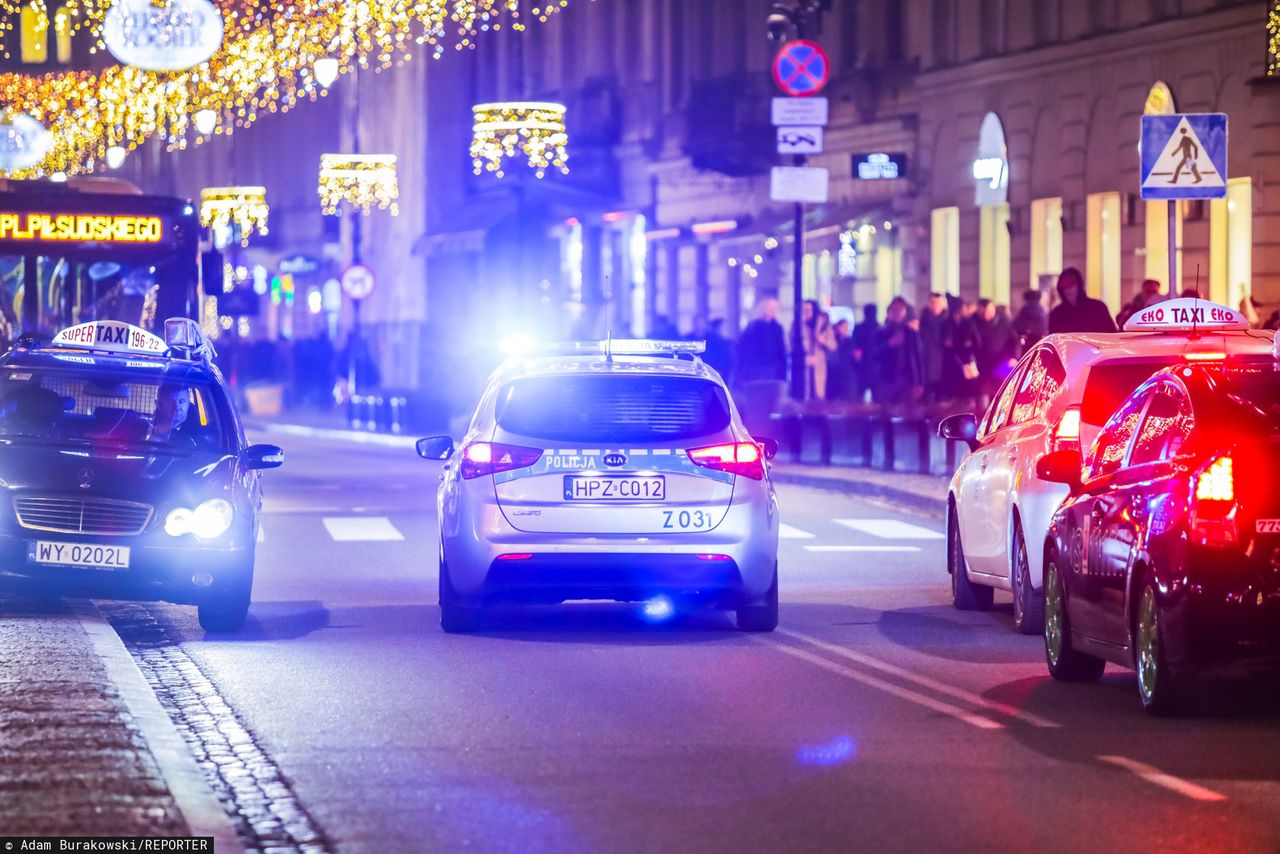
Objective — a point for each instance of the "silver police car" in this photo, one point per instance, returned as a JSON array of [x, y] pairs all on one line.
[[613, 470]]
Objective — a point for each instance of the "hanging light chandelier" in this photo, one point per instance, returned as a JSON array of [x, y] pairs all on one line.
[[364, 181], [244, 208], [529, 130]]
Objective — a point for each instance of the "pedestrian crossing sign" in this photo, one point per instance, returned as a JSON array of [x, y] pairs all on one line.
[[1184, 156]]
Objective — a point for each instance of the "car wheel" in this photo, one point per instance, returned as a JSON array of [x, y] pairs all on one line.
[[1164, 690], [455, 618], [761, 618], [966, 595], [1066, 664], [1028, 605], [225, 612]]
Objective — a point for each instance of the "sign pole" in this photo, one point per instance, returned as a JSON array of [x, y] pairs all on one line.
[[799, 375], [1174, 289]]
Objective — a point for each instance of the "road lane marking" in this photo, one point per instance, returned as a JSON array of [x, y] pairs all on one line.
[[790, 532], [890, 529], [923, 681], [346, 529], [862, 548], [888, 687], [1164, 780]]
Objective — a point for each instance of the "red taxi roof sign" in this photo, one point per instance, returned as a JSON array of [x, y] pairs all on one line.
[[1186, 314], [113, 336]]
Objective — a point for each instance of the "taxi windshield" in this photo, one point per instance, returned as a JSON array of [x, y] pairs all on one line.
[[88, 406]]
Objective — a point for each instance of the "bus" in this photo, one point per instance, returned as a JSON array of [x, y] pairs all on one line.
[[94, 249]]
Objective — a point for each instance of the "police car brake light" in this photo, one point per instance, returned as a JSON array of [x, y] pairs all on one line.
[[484, 458], [1186, 314], [111, 336], [744, 458]]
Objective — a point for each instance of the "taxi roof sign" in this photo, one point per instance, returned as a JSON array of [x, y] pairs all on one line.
[[1186, 314], [113, 336]]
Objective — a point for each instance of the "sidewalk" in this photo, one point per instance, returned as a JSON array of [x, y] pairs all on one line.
[[920, 492], [85, 748]]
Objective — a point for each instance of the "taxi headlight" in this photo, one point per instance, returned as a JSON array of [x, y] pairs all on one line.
[[209, 520]]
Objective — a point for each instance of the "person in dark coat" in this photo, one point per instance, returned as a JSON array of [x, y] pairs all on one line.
[[762, 347], [1078, 312], [898, 364], [719, 352], [933, 345], [863, 338], [1031, 322], [840, 370], [997, 347]]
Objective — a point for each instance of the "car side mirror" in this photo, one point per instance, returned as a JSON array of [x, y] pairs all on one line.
[[769, 446], [1060, 467], [960, 428], [435, 448], [263, 456]]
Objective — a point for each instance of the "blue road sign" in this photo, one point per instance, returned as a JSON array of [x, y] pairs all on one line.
[[1184, 156]]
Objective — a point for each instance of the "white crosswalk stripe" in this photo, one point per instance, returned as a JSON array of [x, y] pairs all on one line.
[[790, 532], [346, 529], [890, 529]]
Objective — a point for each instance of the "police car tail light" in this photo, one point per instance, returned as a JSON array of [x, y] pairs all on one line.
[[744, 458], [1066, 435], [484, 458], [1213, 508]]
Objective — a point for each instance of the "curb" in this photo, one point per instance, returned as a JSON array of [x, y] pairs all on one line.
[[334, 434], [865, 488], [200, 808]]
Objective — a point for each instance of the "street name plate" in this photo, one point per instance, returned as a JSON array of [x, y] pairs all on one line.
[[799, 184], [802, 112]]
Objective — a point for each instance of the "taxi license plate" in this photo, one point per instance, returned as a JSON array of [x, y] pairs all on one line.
[[615, 488], [79, 554], [1269, 526]]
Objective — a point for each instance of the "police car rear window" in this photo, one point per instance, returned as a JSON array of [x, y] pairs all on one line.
[[617, 409]]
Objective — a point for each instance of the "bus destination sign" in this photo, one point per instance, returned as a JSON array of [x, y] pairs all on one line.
[[31, 227]]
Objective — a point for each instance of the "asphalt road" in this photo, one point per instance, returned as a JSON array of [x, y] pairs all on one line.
[[876, 718]]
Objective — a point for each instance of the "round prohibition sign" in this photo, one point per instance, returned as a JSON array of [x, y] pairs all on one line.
[[801, 68]]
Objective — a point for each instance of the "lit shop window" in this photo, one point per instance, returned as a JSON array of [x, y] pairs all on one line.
[[35, 34]]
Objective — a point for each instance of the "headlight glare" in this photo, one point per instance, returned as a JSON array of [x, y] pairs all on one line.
[[211, 519]]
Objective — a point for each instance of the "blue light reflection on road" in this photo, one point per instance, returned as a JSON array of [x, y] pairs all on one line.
[[835, 752]]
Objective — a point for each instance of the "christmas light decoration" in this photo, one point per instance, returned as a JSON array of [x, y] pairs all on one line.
[[533, 128], [364, 181], [267, 64], [1273, 40], [243, 207]]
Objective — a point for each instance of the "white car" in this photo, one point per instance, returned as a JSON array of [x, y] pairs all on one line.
[[616, 470], [1059, 396]]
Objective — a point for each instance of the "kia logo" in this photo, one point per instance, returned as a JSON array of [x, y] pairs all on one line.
[[615, 460]]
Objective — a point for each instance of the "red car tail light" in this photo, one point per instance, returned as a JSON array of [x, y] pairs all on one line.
[[744, 458], [482, 458], [1213, 504], [1066, 434]]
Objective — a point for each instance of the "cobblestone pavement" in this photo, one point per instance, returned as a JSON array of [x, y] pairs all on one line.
[[259, 800], [72, 760]]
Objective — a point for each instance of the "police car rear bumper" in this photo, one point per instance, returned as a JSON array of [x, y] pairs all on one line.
[[616, 577], [181, 574]]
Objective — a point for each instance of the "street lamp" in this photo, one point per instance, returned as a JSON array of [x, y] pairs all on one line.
[[326, 71]]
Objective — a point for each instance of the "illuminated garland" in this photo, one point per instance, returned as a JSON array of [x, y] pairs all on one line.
[[1273, 40], [244, 207], [266, 65], [361, 180], [536, 129]]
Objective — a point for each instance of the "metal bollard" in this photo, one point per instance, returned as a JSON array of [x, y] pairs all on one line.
[[397, 404]]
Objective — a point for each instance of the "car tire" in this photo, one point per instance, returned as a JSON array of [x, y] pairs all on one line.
[[761, 618], [966, 595], [1066, 664], [1165, 691], [455, 618], [226, 611], [1028, 605]]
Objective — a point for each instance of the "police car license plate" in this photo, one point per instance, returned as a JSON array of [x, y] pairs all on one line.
[[1269, 526], [614, 488], [79, 554]]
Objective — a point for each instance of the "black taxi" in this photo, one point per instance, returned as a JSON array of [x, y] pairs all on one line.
[[124, 470], [1165, 557]]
